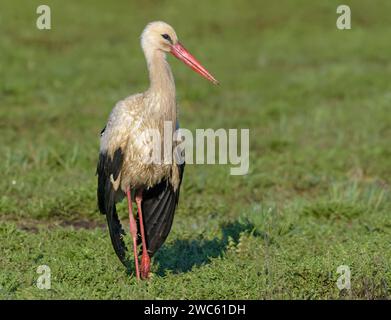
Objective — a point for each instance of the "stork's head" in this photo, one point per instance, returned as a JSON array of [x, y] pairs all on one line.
[[160, 36]]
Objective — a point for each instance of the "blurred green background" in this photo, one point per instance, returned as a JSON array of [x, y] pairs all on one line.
[[316, 100]]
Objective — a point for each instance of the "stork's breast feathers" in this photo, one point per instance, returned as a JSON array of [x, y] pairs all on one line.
[[129, 130]]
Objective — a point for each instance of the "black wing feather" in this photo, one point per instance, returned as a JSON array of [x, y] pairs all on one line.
[[158, 206], [108, 166]]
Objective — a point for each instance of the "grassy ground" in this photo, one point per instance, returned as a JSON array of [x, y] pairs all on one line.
[[317, 102]]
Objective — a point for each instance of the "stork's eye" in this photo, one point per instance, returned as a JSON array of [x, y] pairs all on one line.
[[166, 36]]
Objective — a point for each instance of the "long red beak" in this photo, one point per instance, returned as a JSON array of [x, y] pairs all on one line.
[[181, 53]]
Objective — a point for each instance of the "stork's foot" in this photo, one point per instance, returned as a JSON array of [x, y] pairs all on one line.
[[145, 266]]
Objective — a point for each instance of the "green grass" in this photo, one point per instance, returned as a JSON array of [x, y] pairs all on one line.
[[317, 103]]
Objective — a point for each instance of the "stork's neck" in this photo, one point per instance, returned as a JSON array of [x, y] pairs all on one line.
[[161, 79]]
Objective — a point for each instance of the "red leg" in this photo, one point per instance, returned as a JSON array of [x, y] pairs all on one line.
[[133, 231], [145, 259]]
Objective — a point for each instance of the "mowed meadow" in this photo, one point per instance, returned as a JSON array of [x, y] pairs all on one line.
[[315, 99]]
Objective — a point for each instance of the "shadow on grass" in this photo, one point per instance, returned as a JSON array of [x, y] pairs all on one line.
[[183, 255]]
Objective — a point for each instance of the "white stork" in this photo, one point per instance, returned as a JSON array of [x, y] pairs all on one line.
[[153, 186]]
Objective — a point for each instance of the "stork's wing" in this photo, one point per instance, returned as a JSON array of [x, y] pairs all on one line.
[[158, 206], [111, 166]]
